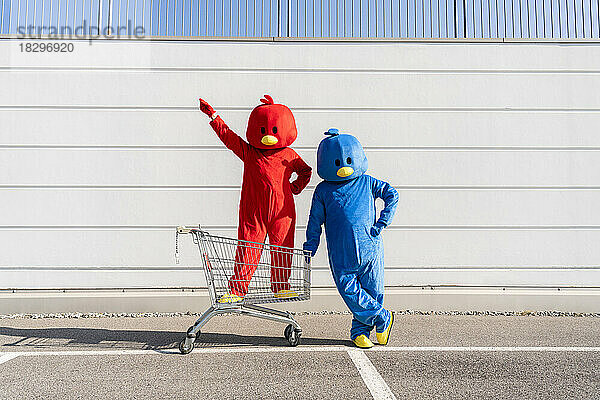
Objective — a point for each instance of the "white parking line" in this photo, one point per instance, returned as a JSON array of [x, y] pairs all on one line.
[[487, 349], [375, 383], [7, 357]]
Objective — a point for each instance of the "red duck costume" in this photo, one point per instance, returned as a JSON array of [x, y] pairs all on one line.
[[267, 201]]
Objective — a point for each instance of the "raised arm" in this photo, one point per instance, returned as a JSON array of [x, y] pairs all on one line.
[[304, 172], [229, 138], [315, 220], [384, 191]]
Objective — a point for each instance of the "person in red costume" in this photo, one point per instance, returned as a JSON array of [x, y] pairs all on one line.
[[267, 201]]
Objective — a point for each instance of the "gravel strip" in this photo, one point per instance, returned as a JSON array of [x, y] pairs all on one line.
[[399, 312]]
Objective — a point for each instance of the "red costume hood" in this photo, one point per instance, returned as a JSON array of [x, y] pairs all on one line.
[[271, 126]]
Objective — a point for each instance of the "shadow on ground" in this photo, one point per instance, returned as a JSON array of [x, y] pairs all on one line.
[[49, 338]]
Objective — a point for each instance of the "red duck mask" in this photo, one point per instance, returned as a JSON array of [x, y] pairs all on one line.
[[271, 126]]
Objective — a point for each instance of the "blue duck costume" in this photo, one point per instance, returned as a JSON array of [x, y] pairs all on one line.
[[345, 202]]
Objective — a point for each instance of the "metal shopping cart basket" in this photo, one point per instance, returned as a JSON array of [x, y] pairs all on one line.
[[222, 257]]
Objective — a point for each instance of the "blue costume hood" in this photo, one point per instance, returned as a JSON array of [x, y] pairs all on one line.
[[340, 157]]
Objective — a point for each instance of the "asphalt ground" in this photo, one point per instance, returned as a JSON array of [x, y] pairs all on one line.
[[238, 357]]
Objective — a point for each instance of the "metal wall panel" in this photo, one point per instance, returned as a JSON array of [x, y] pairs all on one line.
[[160, 206], [291, 56], [510, 248], [432, 129], [494, 150], [186, 167], [388, 90], [193, 277], [557, 19]]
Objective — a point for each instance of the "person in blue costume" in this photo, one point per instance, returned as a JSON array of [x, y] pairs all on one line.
[[345, 202]]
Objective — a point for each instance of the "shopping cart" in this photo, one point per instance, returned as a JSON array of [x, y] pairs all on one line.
[[220, 257]]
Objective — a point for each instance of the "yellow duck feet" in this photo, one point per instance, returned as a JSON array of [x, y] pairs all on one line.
[[383, 337], [286, 294], [230, 298], [363, 342]]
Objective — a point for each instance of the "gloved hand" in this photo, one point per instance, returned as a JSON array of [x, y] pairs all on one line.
[[309, 251], [206, 108], [376, 229]]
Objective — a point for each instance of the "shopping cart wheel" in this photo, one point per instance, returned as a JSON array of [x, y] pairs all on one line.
[[288, 331], [186, 349], [292, 335]]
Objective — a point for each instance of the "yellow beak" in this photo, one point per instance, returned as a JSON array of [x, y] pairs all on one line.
[[344, 172], [269, 140]]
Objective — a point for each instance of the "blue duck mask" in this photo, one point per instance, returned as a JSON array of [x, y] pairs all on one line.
[[340, 157]]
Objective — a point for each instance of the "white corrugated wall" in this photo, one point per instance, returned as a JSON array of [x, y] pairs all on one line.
[[493, 146]]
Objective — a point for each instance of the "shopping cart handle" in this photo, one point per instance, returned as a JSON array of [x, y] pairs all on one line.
[[183, 230]]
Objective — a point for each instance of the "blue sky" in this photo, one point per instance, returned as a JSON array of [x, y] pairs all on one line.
[[318, 18]]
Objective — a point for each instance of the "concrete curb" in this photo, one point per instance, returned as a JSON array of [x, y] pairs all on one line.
[[421, 299]]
